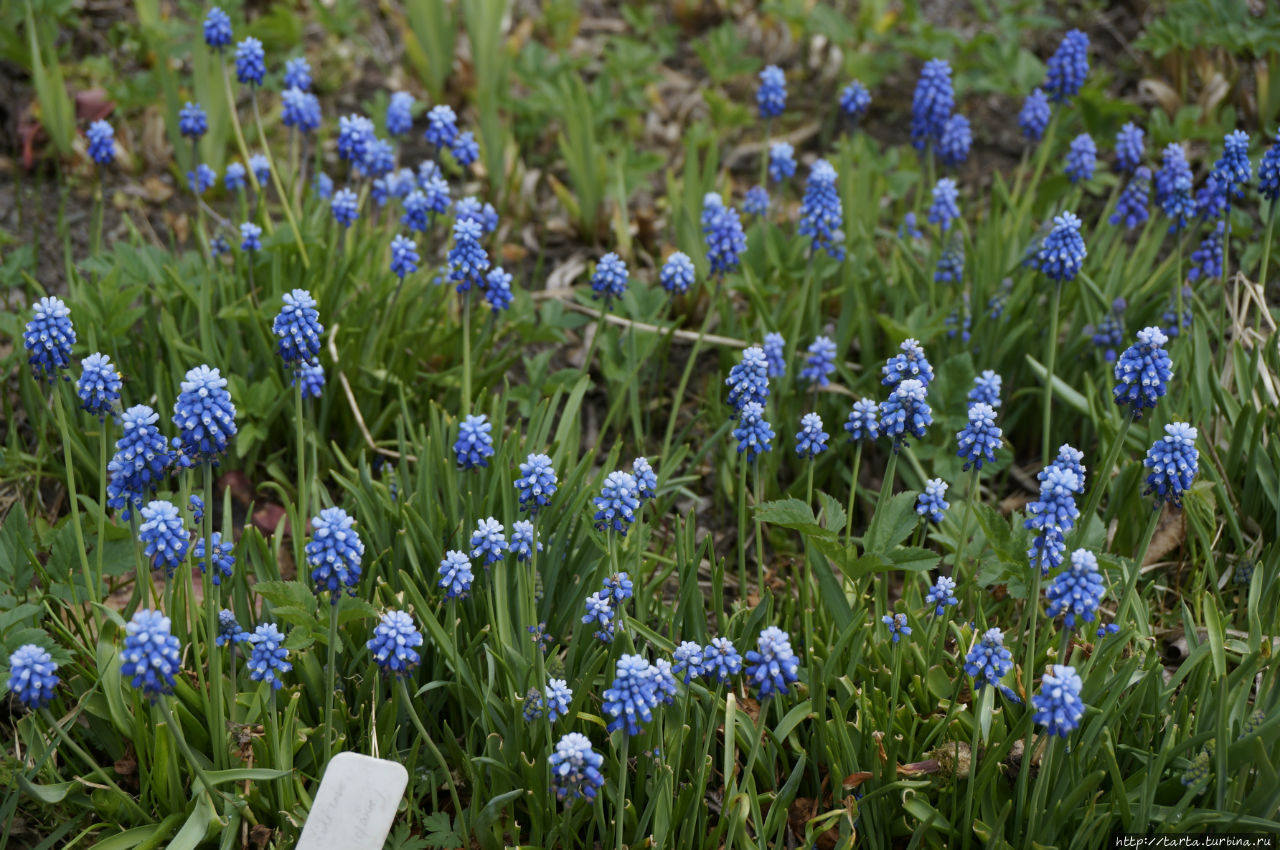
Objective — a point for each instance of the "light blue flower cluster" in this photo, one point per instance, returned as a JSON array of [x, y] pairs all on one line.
[[1130, 148], [855, 100], [821, 362], [811, 440], [192, 121], [468, 261], [688, 658], [821, 215], [299, 329], [1174, 462], [646, 478], [774, 355], [311, 375], [1053, 515], [223, 561], [404, 256], [355, 135], [537, 482], [782, 161], [201, 179], [1143, 372], [957, 138], [1035, 114], [950, 268], [442, 126], [1063, 251], [754, 434], [1082, 158], [268, 657], [297, 73], [677, 273], [217, 28], [981, 437], [488, 541], [609, 280], [1131, 207], [575, 768], [897, 625], [1233, 170], [1077, 590], [345, 206], [771, 97], [250, 62], [986, 389], [1068, 67], [863, 422], [394, 643], [772, 665], [905, 411], [1269, 172], [1206, 261], [748, 380], [33, 675], [455, 574], [722, 231], [151, 654], [599, 613], [720, 660], [1058, 706], [141, 459], [482, 214], [163, 535], [910, 362], [943, 208], [989, 659], [300, 110], [48, 338], [234, 178], [229, 630], [1109, 334], [618, 502], [102, 142], [932, 503], [334, 553], [524, 540], [756, 201], [250, 237], [204, 416], [99, 385], [633, 696], [942, 595], [931, 103]]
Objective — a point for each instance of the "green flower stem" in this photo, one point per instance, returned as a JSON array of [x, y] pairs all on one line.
[[895, 681], [299, 530], [219, 731], [1030, 619], [591, 347], [1055, 300], [620, 807], [466, 351], [435, 752], [976, 694], [759, 530], [684, 383], [1102, 478], [235, 682], [94, 769], [275, 178], [1131, 579], [742, 526], [1042, 158], [971, 498], [103, 440], [60, 409], [190, 756], [853, 493], [806, 574], [239, 134], [1266, 252], [143, 589], [330, 673]]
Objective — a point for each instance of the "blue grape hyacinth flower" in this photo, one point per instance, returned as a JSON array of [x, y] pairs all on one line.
[[646, 478], [474, 445], [345, 206], [489, 541], [464, 148], [855, 100], [1206, 260], [556, 697], [909, 229], [229, 631], [1071, 459], [1063, 251], [141, 459], [931, 103], [1068, 67], [299, 329], [417, 211], [261, 167], [192, 121], [941, 595], [1269, 172], [217, 28], [863, 422], [355, 134], [234, 178], [754, 434], [909, 362], [404, 256], [943, 208], [250, 237], [1052, 515], [497, 289], [980, 438], [956, 139], [33, 675], [48, 338], [297, 73], [633, 696], [268, 657], [99, 385], [667, 688], [748, 380], [771, 96], [575, 768], [250, 62], [399, 113], [482, 214], [468, 261], [1174, 462], [1077, 590], [782, 161], [205, 417], [1233, 170], [756, 201], [772, 665], [1058, 706], [1082, 158], [821, 362], [1130, 148], [774, 355], [102, 142], [600, 613], [1212, 200], [163, 536], [986, 389], [905, 412], [811, 440], [618, 502], [950, 268], [334, 553], [989, 660], [619, 588], [151, 654], [537, 482], [1109, 334], [688, 658], [725, 239], [1131, 207], [300, 110], [1143, 372], [677, 273], [932, 503], [821, 215], [1035, 114], [442, 126], [202, 179], [1173, 169], [394, 643], [897, 625], [721, 660], [609, 280], [524, 540], [455, 574], [223, 561]]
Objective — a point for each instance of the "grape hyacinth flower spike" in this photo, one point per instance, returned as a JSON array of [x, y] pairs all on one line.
[[99, 385], [48, 338], [488, 541], [102, 142], [141, 459], [905, 412], [855, 100], [205, 417], [1077, 590], [774, 355], [782, 161], [931, 104], [941, 595], [771, 97], [677, 273], [1130, 147], [725, 239], [1068, 67], [989, 660], [575, 768], [1063, 251], [943, 209], [863, 422], [151, 654], [1143, 372], [820, 363], [455, 575], [772, 665], [617, 503], [609, 280], [33, 676], [1174, 462], [811, 440], [748, 381], [1058, 706], [163, 535], [754, 434], [980, 438], [909, 362], [986, 389], [394, 643], [268, 657], [821, 215], [932, 503], [897, 625], [299, 329], [1082, 158], [1035, 114], [537, 482], [334, 553], [217, 29], [633, 696]]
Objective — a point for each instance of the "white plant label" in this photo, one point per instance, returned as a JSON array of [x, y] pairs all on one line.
[[356, 804]]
